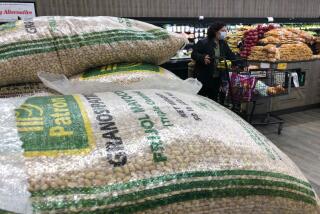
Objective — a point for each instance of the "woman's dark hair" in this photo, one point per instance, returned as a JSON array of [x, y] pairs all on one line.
[[214, 28]]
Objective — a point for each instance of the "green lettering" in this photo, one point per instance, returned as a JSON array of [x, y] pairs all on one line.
[[159, 157]]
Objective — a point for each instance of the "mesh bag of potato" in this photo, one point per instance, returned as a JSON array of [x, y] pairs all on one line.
[[265, 53], [70, 45], [286, 52], [295, 52], [286, 35], [141, 151], [122, 73]]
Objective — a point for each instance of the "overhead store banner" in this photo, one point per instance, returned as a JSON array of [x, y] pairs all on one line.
[[11, 11]]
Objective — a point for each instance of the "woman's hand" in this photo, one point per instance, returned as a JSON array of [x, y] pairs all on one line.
[[207, 60]]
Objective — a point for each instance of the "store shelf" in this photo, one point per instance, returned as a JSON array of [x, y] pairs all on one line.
[[277, 62]]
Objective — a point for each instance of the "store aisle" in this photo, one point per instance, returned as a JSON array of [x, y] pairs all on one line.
[[300, 140]]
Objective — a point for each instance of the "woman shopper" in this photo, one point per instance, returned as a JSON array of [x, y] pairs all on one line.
[[207, 53]]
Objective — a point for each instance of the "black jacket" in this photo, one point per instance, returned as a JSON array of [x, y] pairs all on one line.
[[206, 47]]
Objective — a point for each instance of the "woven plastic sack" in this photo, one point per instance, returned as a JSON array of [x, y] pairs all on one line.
[[71, 45], [25, 89], [124, 73], [142, 151], [63, 85]]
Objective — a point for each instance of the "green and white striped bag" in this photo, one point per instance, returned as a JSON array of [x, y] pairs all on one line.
[[120, 73], [24, 90], [71, 45], [124, 73], [141, 151]]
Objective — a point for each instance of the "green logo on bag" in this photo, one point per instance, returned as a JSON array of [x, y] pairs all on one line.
[[55, 125], [120, 69], [10, 26]]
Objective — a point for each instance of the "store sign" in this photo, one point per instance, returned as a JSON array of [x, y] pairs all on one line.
[[11, 11], [282, 66], [265, 65]]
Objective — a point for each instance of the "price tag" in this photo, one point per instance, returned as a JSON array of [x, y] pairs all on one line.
[[282, 66], [265, 65]]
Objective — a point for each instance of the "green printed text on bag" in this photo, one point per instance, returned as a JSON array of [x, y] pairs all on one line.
[[51, 126], [120, 68]]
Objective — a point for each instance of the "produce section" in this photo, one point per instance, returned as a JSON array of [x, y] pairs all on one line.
[[272, 43], [252, 41], [290, 49], [252, 37], [242, 34]]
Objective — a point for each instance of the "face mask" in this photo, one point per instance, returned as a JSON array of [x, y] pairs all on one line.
[[223, 35]]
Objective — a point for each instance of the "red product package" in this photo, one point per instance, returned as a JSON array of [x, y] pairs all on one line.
[[242, 87]]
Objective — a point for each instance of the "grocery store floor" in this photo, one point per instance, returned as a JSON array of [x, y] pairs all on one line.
[[300, 140]]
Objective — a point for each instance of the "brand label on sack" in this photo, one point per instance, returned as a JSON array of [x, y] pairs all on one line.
[[7, 27], [55, 125], [120, 68]]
